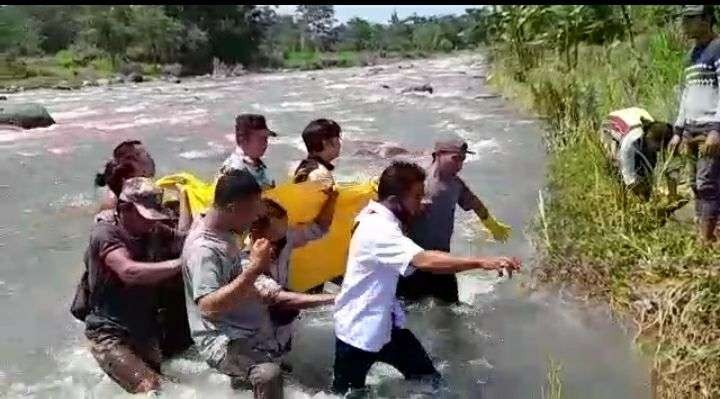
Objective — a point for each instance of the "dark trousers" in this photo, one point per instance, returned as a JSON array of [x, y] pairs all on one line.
[[423, 284], [172, 318], [404, 352]]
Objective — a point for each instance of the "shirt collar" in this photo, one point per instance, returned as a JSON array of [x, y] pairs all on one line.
[[249, 161], [379, 209]]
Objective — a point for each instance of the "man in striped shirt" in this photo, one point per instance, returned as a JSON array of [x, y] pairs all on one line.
[[698, 122]]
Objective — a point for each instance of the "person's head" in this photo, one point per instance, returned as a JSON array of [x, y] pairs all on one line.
[[401, 188], [449, 155], [139, 206], [251, 134], [116, 173], [135, 152], [237, 197], [322, 138], [657, 134], [698, 21], [272, 223]]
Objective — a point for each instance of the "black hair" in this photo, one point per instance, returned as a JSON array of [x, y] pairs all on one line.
[[318, 131], [235, 185], [272, 210], [397, 179], [115, 174], [660, 132], [125, 149]]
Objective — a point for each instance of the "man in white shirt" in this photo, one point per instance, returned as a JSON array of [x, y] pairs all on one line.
[[368, 318]]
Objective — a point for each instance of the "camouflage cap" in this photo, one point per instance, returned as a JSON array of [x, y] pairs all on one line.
[[145, 195]]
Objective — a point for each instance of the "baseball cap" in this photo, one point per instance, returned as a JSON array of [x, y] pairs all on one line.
[[452, 144], [695, 10], [145, 195], [248, 122]]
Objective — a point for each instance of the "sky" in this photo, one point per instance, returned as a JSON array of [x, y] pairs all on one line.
[[381, 13]]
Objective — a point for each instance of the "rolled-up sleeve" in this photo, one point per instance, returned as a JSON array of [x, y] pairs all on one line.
[[203, 270], [626, 158], [396, 251], [267, 289]]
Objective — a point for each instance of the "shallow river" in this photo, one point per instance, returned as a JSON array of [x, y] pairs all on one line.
[[495, 345]]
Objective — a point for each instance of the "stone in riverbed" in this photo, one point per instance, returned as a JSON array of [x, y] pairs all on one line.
[[135, 78], [3, 98], [64, 85], [486, 96], [26, 115], [424, 88]]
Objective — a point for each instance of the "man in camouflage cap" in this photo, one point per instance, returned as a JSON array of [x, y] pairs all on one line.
[[122, 323]]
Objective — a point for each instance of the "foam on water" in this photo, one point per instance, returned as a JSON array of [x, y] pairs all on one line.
[[131, 108], [79, 200], [214, 150], [74, 114]]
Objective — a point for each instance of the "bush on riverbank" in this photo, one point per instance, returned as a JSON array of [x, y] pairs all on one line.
[[594, 236]]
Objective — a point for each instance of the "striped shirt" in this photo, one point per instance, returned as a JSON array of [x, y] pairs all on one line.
[[699, 105]]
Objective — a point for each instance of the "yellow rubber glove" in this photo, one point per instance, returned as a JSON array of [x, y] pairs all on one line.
[[499, 230], [375, 181]]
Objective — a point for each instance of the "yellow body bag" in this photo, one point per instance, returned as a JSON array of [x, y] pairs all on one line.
[[318, 261]]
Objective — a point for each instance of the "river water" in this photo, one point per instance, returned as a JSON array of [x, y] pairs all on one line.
[[497, 344]]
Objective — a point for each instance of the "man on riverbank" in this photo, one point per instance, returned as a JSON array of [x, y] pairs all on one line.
[[369, 322], [251, 137], [122, 321], [433, 228], [228, 294], [322, 140], [698, 121]]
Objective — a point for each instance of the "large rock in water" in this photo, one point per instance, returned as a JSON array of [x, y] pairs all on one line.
[[27, 116]]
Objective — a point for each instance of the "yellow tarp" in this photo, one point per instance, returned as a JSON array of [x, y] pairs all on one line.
[[318, 261]]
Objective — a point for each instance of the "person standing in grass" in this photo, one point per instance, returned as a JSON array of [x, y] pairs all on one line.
[[433, 228], [698, 121]]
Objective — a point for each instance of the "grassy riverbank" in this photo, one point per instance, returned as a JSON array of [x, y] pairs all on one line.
[[605, 244]]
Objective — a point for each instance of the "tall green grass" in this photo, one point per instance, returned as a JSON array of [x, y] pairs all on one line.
[[604, 242]]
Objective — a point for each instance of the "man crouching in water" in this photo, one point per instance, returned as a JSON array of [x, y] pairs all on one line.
[[227, 293], [122, 324], [369, 322]]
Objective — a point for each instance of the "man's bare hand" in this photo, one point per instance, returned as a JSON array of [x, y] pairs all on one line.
[[260, 255], [711, 147], [674, 144], [503, 263]]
